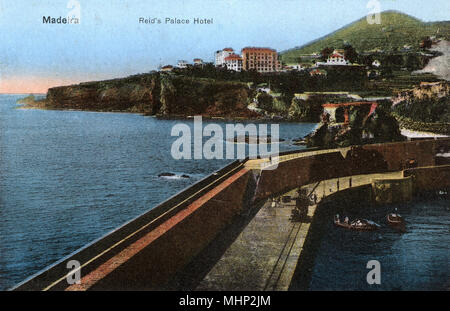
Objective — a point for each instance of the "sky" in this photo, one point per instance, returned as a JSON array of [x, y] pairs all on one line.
[[110, 42]]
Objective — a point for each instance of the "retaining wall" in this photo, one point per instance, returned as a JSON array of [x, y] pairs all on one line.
[[386, 191], [147, 251], [358, 160], [429, 178]]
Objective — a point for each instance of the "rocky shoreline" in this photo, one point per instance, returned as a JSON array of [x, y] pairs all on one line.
[[29, 103]]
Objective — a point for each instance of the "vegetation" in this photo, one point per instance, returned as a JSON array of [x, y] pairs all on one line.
[[433, 127], [306, 110], [362, 128], [430, 110], [32, 101], [425, 108], [29, 99], [395, 31]]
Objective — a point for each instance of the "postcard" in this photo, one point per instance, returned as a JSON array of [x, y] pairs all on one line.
[[222, 146]]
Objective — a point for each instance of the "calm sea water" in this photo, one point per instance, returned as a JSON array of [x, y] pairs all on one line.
[[69, 177], [416, 260]]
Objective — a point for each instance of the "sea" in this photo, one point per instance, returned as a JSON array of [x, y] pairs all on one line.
[[70, 177]]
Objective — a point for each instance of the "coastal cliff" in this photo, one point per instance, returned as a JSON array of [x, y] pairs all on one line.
[[138, 93], [184, 96], [157, 94]]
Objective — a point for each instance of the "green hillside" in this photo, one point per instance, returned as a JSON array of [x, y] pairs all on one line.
[[395, 31]]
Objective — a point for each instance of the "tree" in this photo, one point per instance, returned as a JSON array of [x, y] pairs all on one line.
[[325, 53], [426, 43], [366, 60], [350, 53], [412, 62], [265, 101]]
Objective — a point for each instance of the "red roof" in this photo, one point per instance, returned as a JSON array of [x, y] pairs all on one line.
[[348, 104], [228, 49], [233, 57], [337, 55], [317, 71], [256, 49]]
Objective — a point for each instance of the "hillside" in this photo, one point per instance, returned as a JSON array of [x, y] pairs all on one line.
[[395, 31]]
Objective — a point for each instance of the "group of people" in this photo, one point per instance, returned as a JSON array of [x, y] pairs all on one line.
[[338, 219]]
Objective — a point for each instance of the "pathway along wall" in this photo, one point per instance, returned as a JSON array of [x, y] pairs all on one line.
[[358, 160]]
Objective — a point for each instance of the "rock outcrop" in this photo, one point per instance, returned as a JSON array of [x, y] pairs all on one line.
[[158, 94], [133, 94], [362, 128]]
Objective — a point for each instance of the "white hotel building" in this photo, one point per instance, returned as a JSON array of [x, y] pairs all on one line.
[[182, 64], [233, 62], [221, 55]]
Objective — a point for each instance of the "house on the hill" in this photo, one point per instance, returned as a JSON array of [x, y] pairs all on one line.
[[198, 61], [317, 72], [337, 58], [219, 56], [263, 87], [182, 64], [233, 62], [166, 68], [297, 67]]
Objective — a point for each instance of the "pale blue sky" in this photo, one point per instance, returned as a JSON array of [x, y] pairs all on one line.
[[110, 42]]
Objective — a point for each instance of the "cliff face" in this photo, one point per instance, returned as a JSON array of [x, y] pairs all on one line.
[[427, 103], [157, 94], [195, 96], [426, 90], [135, 94]]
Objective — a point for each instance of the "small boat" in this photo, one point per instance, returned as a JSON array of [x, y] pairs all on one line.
[[357, 224], [396, 221]]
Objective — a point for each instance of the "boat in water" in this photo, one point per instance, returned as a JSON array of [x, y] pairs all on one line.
[[357, 224]]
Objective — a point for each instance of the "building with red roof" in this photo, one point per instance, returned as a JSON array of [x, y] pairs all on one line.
[[167, 68], [260, 59], [221, 55], [198, 61], [233, 62], [337, 58]]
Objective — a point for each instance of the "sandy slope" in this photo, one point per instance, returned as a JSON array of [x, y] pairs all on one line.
[[440, 65]]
